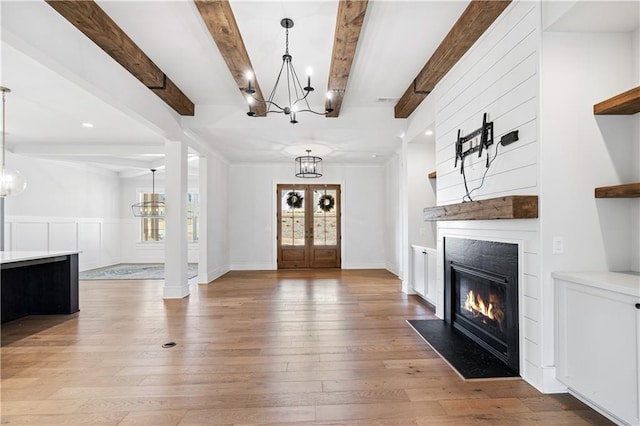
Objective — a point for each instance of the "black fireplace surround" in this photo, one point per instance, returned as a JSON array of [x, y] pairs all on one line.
[[481, 294]]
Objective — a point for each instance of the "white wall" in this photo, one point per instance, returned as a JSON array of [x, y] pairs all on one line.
[[252, 213], [214, 202], [64, 207], [394, 223], [581, 151], [635, 212], [499, 76], [421, 193], [564, 152]]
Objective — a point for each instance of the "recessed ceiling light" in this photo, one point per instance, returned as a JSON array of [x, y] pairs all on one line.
[[87, 125], [428, 132], [374, 155]]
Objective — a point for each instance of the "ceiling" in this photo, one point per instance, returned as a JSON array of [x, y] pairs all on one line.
[[51, 97], [61, 79]]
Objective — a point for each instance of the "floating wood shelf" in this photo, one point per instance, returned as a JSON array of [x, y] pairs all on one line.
[[629, 190], [626, 103], [513, 207], [432, 175]]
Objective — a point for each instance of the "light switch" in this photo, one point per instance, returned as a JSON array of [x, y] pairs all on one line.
[[558, 245]]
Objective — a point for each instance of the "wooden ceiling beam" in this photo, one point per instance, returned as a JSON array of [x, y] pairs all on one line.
[[93, 22], [348, 26], [473, 22], [221, 22]]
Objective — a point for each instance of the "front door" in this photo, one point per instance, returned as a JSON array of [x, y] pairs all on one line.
[[308, 226]]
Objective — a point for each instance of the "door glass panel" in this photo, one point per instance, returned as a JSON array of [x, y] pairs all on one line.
[[325, 229], [292, 217]]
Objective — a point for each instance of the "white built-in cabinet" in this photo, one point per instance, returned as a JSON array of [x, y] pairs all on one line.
[[424, 272], [597, 340]]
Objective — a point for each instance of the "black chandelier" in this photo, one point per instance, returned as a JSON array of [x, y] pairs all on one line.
[[296, 94], [151, 206], [308, 166]]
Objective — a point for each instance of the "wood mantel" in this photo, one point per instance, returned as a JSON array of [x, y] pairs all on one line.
[[512, 207]]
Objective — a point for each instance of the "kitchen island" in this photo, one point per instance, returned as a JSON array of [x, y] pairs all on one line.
[[38, 283]]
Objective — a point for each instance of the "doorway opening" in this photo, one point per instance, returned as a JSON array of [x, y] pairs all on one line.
[[308, 226]]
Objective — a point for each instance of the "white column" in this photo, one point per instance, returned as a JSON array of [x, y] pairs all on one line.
[[176, 282], [1, 223], [203, 236], [406, 264]]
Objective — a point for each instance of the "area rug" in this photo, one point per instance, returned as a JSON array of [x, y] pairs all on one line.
[[466, 357], [133, 271]]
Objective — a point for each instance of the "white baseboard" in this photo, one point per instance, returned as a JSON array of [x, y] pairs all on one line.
[[349, 265], [549, 382], [208, 277], [175, 292], [252, 267], [407, 288]]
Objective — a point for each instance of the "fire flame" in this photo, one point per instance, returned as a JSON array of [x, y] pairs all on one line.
[[476, 305]]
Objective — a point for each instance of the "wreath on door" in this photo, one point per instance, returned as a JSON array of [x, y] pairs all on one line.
[[326, 203], [294, 199]]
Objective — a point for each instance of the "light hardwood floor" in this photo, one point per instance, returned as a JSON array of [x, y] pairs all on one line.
[[298, 347]]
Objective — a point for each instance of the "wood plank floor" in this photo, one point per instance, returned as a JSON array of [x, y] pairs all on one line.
[[298, 347]]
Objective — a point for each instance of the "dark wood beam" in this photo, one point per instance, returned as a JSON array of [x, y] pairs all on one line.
[[473, 22], [93, 22], [221, 22], [348, 26]]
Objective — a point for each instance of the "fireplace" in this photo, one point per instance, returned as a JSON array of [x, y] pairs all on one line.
[[481, 295]]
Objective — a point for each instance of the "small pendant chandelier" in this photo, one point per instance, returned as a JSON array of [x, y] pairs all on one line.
[[11, 181], [308, 166], [296, 100], [152, 207]]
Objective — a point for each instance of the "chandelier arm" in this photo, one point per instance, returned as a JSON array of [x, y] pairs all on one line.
[[297, 86], [269, 100], [289, 68], [296, 93], [312, 111], [304, 99]]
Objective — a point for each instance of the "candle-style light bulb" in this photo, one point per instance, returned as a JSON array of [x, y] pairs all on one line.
[[329, 109], [309, 72], [251, 113], [250, 90]]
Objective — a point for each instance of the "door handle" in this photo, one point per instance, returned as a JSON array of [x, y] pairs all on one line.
[[637, 305]]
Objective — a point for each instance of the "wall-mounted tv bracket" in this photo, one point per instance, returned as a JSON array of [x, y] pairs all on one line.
[[476, 141]]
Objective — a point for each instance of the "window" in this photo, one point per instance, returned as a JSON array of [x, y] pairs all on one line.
[[153, 228]]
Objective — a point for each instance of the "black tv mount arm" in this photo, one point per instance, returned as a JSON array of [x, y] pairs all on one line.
[[476, 141]]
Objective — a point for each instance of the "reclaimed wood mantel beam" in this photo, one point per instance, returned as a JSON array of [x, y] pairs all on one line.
[[348, 26], [94, 22], [473, 22], [512, 207]]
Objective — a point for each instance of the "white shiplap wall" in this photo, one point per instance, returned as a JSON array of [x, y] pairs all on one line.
[[499, 75]]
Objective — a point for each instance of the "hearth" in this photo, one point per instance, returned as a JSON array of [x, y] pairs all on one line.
[[481, 295]]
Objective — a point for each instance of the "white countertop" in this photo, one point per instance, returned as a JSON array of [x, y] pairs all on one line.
[[17, 256], [620, 282]]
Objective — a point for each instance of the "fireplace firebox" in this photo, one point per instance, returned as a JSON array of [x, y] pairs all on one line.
[[481, 295]]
